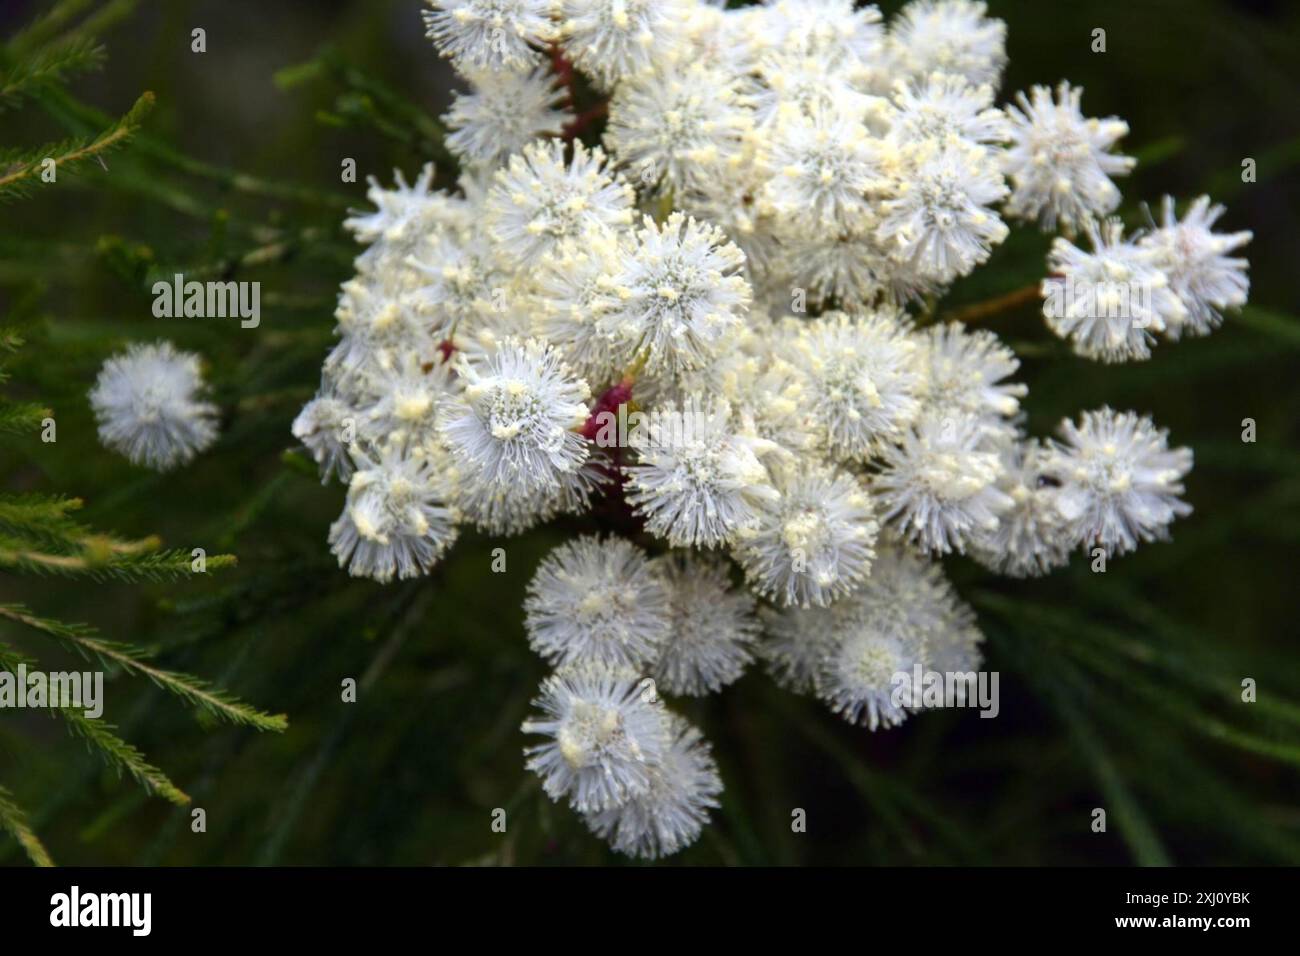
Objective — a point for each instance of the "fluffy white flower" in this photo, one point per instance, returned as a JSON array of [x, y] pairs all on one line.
[[509, 509], [807, 85], [857, 674], [597, 600], [944, 107], [939, 484], [845, 36], [326, 426], [821, 167], [679, 125], [514, 423], [836, 267], [404, 213], [815, 542], [676, 295], [1110, 301], [503, 113], [539, 202], [906, 614], [607, 734], [860, 380], [669, 816], [698, 477], [795, 641], [713, 627], [1120, 480], [940, 223], [1194, 257], [373, 319], [465, 284], [1031, 537], [964, 372], [951, 36], [148, 404], [1060, 163], [395, 521], [611, 39], [489, 34], [569, 288]]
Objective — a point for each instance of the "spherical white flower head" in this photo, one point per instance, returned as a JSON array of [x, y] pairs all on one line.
[[611, 39], [679, 125], [951, 36], [677, 294], [795, 641], [498, 509], [482, 35], [1031, 537], [671, 813], [326, 425], [815, 543], [844, 266], [906, 613], [1108, 302], [1120, 481], [395, 522], [939, 484], [404, 213], [944, 108], [1060, 163], [413, 394], [773, 395], [807, 84], [955, 646], [1194, 257], [567, 296], [713, 627], [608, 732], [503, 113], [721, 35], [147, 402], [513, 424], [964, 371], [820, 167], [465, 284], [698, 477], [594, 600], [846, 39], [539, 202], [860, 380], [940, 223], [859, 672], [373, 318]]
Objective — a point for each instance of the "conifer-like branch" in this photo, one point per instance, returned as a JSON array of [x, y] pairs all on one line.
[[199, 694], [115, 751], [53, 65], [14, 822], [19, 170]]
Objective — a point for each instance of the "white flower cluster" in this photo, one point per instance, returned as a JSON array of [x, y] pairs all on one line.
[[733, 272]]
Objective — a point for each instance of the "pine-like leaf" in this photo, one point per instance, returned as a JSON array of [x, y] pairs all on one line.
[[14, 822]]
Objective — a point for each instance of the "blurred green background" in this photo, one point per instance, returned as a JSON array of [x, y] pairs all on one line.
[[1118, 690]]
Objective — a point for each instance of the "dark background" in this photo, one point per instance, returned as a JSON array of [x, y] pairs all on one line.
[[1118, 690]]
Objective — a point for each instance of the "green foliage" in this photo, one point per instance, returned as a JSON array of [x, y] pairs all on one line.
[[38, 536]]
